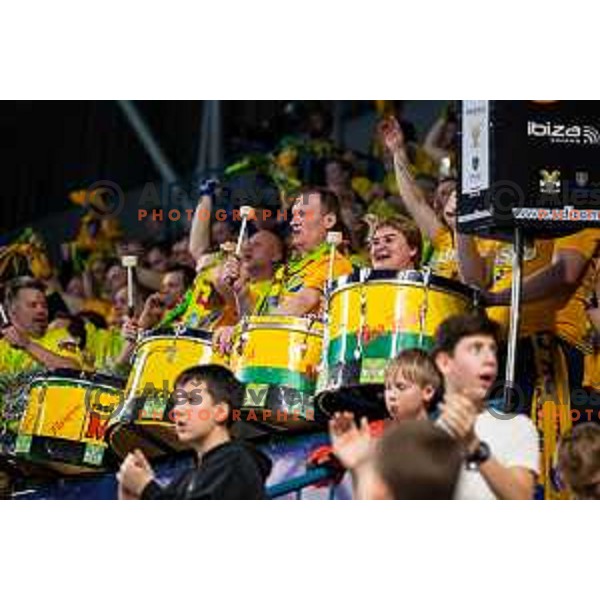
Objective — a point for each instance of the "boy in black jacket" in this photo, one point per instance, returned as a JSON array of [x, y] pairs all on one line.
[[205, 398]]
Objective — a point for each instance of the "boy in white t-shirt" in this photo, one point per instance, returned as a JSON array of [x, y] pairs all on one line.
[[502, 451]]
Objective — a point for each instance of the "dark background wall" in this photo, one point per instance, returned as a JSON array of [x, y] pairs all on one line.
[[49, 148]]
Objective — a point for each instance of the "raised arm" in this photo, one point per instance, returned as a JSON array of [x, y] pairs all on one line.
[[200, 231], [425, 217]]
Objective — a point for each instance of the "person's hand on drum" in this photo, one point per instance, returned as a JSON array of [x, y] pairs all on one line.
[[352, 445], [223, 339], [391, 134], [15, 338], [152, 312], [134, 475]]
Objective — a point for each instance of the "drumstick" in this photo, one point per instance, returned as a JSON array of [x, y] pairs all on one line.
[[334, 239], [244, 212], [130, 263], [3, 316]]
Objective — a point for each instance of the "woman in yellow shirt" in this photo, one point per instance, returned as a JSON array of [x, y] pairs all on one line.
[[439, 223]]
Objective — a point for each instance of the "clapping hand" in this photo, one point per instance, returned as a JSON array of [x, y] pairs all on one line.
[[351, 444], [134, 475]]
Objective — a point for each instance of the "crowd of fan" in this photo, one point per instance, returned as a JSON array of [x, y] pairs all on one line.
[[402, 178]]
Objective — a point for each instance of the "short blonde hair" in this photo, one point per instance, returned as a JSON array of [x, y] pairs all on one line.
[[407, 228], [417, 367]]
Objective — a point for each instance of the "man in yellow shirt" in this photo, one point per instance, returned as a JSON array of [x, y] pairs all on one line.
[[114, 347], [298, 286], [28, 346], [250, 276], [26, 342]]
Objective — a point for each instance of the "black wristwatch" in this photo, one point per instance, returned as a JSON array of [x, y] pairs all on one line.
[[478, 457]]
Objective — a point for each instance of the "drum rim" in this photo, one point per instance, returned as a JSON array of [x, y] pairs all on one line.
[[310, 320], [41, 381], [170, 333], [206, 342], [245, 327], [437, 283], [170, 338], [333, 394], [81, 376]]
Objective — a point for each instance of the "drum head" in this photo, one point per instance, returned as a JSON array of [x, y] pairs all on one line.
[[365, 400], [407, 277]]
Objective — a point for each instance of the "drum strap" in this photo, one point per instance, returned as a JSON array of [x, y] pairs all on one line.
[[189, 300], [178, 311]]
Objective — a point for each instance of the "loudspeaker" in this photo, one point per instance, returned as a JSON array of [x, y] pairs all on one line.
[[528, 163]]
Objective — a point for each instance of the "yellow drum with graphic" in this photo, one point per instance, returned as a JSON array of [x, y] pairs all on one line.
[[374, 315], [146, 421], [277, 358], [65, 419]]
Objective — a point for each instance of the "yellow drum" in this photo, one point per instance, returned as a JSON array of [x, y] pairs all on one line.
[[373, 316], [277, 358], [65, 419], [146, 421]]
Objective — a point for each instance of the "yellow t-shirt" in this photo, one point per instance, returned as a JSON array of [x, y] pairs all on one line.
[[444, 261], [535, 316], [257, 292], [571, 322], [560, 314], [312, 271], [102, 348], [591, 364], [591, 371], [59, 341], [18, 367], [205, 308]]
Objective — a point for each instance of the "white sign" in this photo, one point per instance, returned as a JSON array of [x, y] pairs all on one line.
[[475, 146]]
